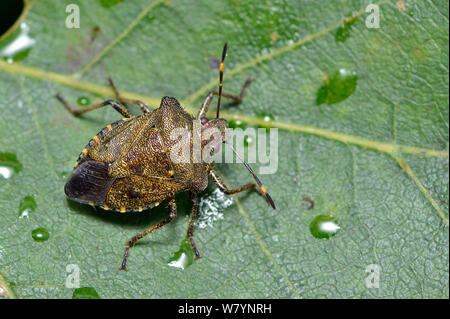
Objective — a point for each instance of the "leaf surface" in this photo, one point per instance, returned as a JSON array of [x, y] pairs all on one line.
[[376, 160]]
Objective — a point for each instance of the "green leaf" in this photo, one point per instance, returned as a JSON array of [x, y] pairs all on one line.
[[376, 161]]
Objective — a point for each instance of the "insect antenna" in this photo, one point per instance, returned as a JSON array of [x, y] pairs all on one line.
[[261, 187], [224, 54]]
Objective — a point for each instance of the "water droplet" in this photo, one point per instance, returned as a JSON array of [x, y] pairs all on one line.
[[109, 3], [17, 45], [184, 257], [83, 100], [267, 119], [337, 88], [343, 32], [85, 293], [249, 140], [9, 164], [40, 234], [211, 208], [26, 206], [324, 226], [237, 124]]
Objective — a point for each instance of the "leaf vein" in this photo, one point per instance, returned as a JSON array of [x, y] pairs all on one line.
[[68, 80], [119, 38], [419, 184], [275, 53]]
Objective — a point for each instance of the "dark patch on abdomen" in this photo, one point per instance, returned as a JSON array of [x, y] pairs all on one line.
[[89, 182]]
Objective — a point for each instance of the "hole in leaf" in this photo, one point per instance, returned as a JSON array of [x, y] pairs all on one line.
[[10, 11]]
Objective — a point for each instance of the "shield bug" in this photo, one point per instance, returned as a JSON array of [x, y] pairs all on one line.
[[127, 166]]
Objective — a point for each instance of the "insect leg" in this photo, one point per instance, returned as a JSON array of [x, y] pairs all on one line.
[[144, 107], [205, 105], [76, 112], [236, 98], [190, 231], [132, 241], [224, 189]]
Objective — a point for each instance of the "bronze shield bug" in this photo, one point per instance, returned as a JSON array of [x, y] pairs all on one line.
[[127, 166]]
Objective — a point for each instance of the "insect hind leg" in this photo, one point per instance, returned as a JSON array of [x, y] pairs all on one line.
[[132, 241], [190, 231]]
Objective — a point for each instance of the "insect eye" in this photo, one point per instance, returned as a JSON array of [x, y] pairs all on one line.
[[204, 120]]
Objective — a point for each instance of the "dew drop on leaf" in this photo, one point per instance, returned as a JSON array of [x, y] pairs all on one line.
[[343, 32], [337, 87], [26, 206], [9, 164], [267, 119], [83, 100], [184, 257], [17, 45], [249, 140], [40, 234], [237, 124], [85, 293], [324, 226]]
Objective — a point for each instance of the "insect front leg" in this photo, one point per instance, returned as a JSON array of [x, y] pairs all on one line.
[[190, 231], [172, 214], [76, 112], [224, 189], [144, 107], [237, 98]]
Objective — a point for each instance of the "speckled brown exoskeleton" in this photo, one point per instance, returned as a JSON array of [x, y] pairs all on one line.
[[127, 167]]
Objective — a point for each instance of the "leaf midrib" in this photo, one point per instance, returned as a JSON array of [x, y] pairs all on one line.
[[104, 90]]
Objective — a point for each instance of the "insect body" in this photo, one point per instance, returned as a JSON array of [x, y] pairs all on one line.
[[127, 166]]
